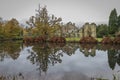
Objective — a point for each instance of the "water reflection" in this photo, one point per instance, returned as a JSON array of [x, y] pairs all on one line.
[[88, 49], [113, 58], [113, 52], [9, 50], [12, 77], [42, 56]]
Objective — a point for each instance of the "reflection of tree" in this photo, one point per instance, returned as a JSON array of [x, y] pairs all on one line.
[[49, 54], [106, 47], [44, 54], [88, 49], [113, 52], [9, 49], [113, 58], [118, 58], [18, 76]]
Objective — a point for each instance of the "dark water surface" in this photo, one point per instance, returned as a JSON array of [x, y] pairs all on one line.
[[59, 61]]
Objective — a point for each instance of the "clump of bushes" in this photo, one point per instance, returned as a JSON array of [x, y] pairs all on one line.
[[39, 39], [117, 40], [58, 40], [106, 40], [88, 39], [42, 39]]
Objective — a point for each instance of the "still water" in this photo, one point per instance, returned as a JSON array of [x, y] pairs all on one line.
[[59, 61]]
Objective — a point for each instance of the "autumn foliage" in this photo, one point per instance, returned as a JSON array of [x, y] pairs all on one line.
[[88, 39], [106, 40], [116, 40], [58, 39], [39, 39], [10, 29]]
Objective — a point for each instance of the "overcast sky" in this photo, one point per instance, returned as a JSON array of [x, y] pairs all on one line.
[[77, 11]]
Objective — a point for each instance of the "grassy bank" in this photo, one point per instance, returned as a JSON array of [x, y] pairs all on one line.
[[78, 39], [72, 39], [67, 39], [99, 39]]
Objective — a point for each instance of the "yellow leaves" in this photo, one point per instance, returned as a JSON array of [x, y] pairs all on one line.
[[45, 25], [12, 28]]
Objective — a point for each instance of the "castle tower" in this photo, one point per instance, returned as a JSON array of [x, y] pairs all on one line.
[[89, 30], [86, 28], [93, 30]]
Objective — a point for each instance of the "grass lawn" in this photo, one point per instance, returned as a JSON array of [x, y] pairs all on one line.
[[72, 39], [99, 39], [77, 39]]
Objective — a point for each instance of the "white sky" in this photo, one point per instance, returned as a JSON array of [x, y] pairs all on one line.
[[78, 11]]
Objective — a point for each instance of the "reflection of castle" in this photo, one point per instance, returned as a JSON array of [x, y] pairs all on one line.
[[88, 49]]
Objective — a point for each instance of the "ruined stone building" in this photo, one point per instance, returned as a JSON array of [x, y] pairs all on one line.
[[70, 30], [88, 30]]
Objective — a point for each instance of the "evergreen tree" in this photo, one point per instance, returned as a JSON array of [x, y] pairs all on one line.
[[118, 21], [113, 22]]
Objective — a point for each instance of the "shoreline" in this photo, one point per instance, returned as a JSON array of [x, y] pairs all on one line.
[[68, 40]]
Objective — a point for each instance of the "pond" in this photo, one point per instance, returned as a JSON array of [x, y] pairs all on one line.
[[50, 61]]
